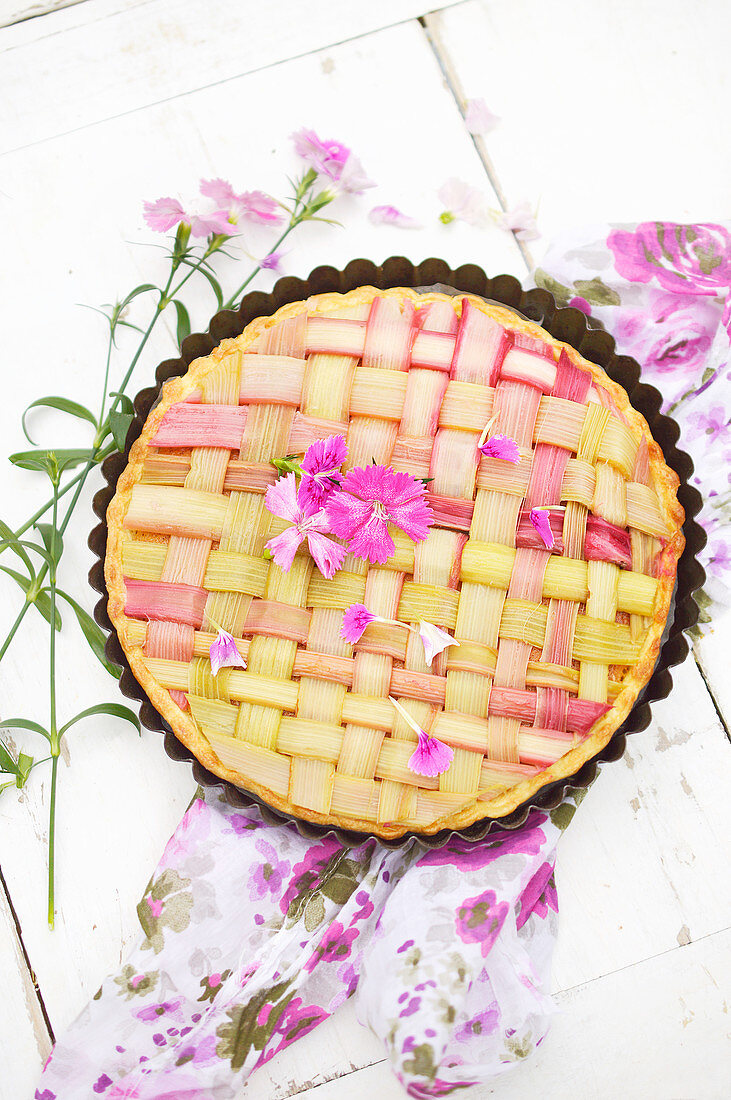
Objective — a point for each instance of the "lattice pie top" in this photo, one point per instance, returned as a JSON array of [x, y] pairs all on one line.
[[554, 644]]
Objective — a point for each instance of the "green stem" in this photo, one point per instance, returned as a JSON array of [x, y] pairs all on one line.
[[13, 628], [42, 511], [106, 376], [52, 843], [293, 223], [54, 740]]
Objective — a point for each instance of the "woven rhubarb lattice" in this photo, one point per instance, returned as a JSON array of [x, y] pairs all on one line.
[[554, 644]]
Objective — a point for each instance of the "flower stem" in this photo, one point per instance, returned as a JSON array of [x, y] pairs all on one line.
[[295, 218], [52, 843], [53, 732]]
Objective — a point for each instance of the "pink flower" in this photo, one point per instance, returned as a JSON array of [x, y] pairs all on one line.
[[478, 118], [540, 519], [331, 159], [163, 214], [463, 203], [308, 522], [391, 215], [321, 467], [435, 640], [224, 652], [372, 497], [521, 220], [430, 757], [272, 262], [355, 620], [686, 259], [500, 446], [254, 206], [480, 919]]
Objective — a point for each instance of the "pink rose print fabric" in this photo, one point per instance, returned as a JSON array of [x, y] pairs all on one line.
[[663, 291], [252, 936]]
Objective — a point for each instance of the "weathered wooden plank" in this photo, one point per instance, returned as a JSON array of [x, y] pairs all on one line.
[[658, 1028], [24, 1040], [118, 49], [14, 11], [598, 122]]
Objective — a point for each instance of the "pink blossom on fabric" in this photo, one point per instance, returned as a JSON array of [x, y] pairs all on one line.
[[321, 467], [308, 522], [391, 215], [480, 919], [540, 519], [431, 757], [686, 259], [162, 214], [435, 640], [668, 335], [501, 446], [581, 303], [713, 423], [224, 653], [479, 119], [520, 220], [355, 619], [371, 497], [462, 202]]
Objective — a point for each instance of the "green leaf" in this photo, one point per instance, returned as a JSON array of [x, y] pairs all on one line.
[[143, 288], [63, 459], [41, 599], [115, 709], [125, 404], [24, 724], [46, 531], [11, 539], [215, 285], [7, 764], [596, 292], [183, 321], [25, 763], [63, 404], [119, 423], [94, 634]]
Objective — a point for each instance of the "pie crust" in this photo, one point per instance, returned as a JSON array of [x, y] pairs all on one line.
[[406, 378]]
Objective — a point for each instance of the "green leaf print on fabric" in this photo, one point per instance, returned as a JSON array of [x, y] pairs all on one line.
[[133, 983], [422, 1064], [596, 292], [561, 293], [167, 904], [212, 984], [250, 1025]]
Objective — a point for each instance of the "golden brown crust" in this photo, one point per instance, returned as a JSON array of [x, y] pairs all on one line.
[[663, 479]]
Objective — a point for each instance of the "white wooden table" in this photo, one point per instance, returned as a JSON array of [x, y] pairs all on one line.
[[613, 110]]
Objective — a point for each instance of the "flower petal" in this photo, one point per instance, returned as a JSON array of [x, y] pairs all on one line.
[[479, 119], [539, 517], [501, 446], [284, 547], [325, 455], [326, 157], [346, 513], [520, 220], [353, 178], [272, 262], [163, 214], [215, 222], [281, 499], [464, 202], [220, 191], [435, 640], [372, 541], [391, 215], [259, 207], [355, 619], [224, 652], [328, 555], [430, 757]]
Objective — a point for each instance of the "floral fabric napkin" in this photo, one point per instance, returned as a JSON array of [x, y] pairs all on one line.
[[663, 291], [252, 935]]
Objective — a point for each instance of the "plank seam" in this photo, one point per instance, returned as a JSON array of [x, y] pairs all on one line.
[[31, 971], [428, 25], [716, 705]]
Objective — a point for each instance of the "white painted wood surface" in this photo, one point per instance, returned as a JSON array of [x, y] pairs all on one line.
[[109, 102]]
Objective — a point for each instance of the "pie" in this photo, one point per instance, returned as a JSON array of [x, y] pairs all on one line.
[[550, 558]]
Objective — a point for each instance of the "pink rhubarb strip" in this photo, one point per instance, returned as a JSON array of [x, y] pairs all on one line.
[[186, 425], [178, 603]]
